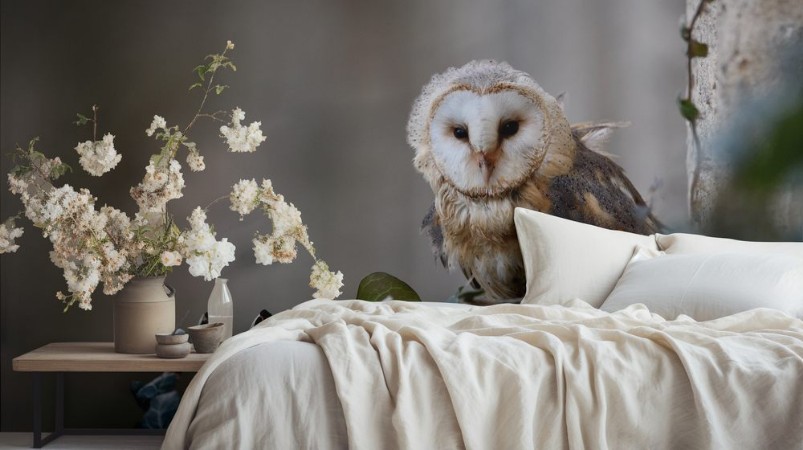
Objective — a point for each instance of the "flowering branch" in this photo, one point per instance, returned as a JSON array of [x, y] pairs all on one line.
[[288, 230], [216, 62], [94, 246]]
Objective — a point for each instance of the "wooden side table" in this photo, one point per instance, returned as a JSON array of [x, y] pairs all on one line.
[[61, 357]]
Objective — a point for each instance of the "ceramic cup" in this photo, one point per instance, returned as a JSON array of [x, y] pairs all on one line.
[[171, 339], [206, 338], [173, 351], [172, 346]]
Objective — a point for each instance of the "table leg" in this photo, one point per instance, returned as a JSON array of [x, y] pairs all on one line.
[[59, 425], [37, 410], [58, 429]]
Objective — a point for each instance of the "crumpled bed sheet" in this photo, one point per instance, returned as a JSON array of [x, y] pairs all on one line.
[[416, 376]]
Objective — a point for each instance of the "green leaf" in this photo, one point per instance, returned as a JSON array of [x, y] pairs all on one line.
[[379, 286], [688, 110], [697, 49], [59, 170], [195, 85], [82, 119], [201, 71], [219, 88], [685, 32]]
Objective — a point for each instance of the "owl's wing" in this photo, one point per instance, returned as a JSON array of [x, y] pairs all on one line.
[[597, 191], [595, 135], [431, 225]]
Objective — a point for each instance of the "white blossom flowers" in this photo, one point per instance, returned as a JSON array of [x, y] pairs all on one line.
[[157, 124], [8, 233], [194, 159], [98, 157], [244, 197], [104, 246], [326, 283], [205, 255], [170, 258], [288, 231], [240, 138], [91, 246], [161, 184]]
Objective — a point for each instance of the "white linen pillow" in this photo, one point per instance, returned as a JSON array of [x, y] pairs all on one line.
[[706, 286], [566, 260], [695, 243]]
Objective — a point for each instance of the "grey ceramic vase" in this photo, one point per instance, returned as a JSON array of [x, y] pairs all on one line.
[[145, 307]]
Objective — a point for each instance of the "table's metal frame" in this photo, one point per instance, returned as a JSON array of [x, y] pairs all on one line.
[[58, 427]]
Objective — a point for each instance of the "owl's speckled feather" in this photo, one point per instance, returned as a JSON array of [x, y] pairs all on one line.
[[481, 174]]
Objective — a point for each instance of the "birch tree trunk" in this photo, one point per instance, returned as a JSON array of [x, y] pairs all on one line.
[[746, 40]]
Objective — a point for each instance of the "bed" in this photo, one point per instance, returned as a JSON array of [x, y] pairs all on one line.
[[552, 372]]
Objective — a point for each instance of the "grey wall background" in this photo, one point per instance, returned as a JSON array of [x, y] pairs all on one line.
[[332, 83]]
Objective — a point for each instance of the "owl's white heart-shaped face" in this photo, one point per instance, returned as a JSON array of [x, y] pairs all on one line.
[[486, 143]]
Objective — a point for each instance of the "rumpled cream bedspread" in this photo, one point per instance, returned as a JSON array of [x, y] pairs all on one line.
[[413, 376]]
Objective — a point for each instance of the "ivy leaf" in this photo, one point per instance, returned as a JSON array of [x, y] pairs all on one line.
[[685, 32], [379, 285], [697, 49], [688, 110]]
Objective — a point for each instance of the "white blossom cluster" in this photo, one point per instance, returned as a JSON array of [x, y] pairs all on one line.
[[242, 138], [8, 234], [158, 123], [326, 283], [91, 246], [194, 159], [98, 157], [161, 184], [244, 197], [288, 231], [170, 258], [94, 246], [206, 256]]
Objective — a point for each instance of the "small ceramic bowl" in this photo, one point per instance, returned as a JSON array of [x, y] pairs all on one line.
[[173, 351], [171, 339], [206, 338]]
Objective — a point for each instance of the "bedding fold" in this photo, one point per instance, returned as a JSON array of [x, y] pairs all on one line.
[[412, 376]]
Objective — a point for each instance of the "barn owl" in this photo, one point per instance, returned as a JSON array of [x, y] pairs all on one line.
[[489, 139]]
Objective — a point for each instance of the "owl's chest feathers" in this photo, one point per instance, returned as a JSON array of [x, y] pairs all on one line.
[[488, 218], [475, 226]]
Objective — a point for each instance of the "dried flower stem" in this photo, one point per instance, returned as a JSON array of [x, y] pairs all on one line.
[[206, 94], [95, 122]]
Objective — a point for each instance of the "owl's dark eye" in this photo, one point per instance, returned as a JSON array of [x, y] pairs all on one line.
[[461, 133], [508, 128]]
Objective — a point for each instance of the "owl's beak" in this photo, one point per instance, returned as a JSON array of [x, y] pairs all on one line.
[[488, 163]]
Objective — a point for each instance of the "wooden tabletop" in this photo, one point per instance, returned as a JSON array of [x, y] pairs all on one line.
[[100, 357]]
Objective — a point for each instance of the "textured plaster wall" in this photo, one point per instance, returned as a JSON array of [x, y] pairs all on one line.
[[748, 41], [332, 82]]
